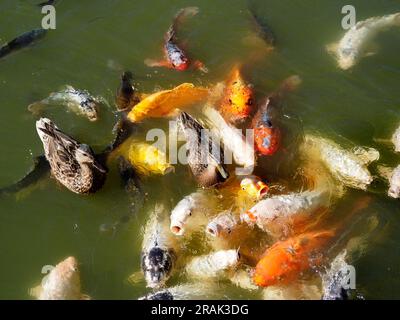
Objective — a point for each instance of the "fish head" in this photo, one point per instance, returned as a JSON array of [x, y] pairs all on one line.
[[254, 187], [179, 216], [66, 271], [178, 60], [394, 190], [267, 140], [347, 57], [157, 266], [214, 229]]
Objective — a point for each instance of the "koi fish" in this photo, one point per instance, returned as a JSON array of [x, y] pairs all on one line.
[[349, 167], [267, 134], [223, 223], [24, 40], [254, 187], [189, 212], [164, 103], [62, 283], [237, 103], [212, 265], [354, 44], [80, 102], [146, 158], [286, 260], [396, 140], [175, 57], [233, 139], [393, 176], [159, 252], [282, 214]]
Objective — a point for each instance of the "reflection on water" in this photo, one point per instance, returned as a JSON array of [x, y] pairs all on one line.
[[96, 41]]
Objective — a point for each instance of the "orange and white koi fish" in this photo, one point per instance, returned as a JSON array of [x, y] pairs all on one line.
[[175, 57]]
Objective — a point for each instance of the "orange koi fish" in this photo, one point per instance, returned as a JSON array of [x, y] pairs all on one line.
[[236, 105], [267, 135], [285, 260], [175, 57]]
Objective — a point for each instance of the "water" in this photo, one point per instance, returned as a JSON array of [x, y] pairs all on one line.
[[46, 225]]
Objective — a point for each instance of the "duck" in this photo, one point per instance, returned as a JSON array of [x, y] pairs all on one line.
[[127, 96], [72, 164], [209, 171]]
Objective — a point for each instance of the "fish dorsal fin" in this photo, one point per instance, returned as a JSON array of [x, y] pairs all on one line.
[[385, 172], [332, 48], [366, 155], [35, 291]]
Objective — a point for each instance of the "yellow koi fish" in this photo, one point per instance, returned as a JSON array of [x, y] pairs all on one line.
[[165, 102]]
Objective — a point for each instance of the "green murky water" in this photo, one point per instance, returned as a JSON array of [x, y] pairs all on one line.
[[50, 223]]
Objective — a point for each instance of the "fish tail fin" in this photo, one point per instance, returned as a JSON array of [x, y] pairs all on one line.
[[291, 83], [332, 48], [36, 108], [397, 19], [179, 18]]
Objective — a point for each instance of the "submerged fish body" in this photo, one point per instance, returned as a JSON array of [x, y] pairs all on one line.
[[334, 281], [158, 249], [393, 176], [62, 283], [396, 140], [283, 215], [262, 29], [212, 265], [146, 158], [353, 45], [394, 189], [78, 101], [175, 56], [73, 164], [189, 213], [267, 136], [237, 102], [350, 168], [222, 224], [205, 157], [233, 139], [286, 260], [164, 103], [22, 41]]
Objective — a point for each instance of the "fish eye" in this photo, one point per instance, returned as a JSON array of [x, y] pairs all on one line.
[[230, 100], [250, 102]]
